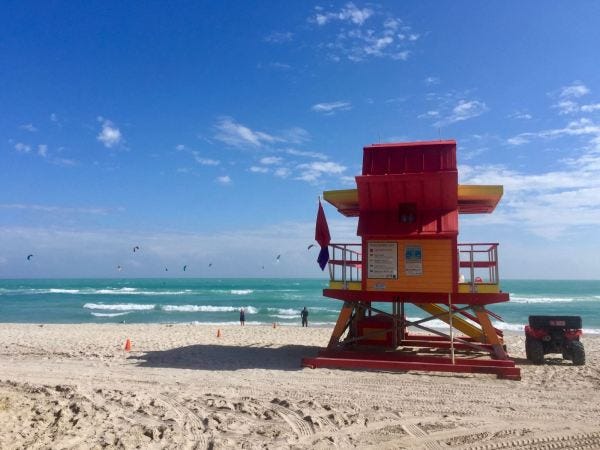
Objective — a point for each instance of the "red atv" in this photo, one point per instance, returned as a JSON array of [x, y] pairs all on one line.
[[554, 334]]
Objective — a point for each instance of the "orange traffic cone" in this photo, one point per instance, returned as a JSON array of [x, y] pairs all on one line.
[[218, 333], [127, 345]]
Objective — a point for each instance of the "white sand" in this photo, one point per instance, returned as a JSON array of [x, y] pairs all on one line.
[[73, 386]]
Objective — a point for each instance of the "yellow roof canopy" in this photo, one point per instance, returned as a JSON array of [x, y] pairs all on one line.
[[472, 199]]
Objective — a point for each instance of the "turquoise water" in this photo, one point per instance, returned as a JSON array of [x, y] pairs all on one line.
[[265, 301]]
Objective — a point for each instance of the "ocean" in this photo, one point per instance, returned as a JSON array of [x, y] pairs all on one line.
[[217, 301]]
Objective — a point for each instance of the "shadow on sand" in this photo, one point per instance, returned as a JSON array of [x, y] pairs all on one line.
[[228, 357]]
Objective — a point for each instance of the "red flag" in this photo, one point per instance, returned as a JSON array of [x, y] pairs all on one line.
[[323, 237]]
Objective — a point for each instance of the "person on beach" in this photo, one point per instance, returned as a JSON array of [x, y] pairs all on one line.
[[242, 317], [304, 315]]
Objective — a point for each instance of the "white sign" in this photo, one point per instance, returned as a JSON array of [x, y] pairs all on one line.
[[413, 260], [383, 260]]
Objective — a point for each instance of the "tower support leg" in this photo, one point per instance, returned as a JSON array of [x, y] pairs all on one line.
[[341, 324], [489, 332]]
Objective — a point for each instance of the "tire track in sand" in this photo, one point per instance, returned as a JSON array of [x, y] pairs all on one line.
[[299, 426], [187, 416], [578, 441]]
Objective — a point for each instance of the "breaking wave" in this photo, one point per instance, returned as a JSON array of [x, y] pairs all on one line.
[[208, 308], [119, 307], [97, 314]]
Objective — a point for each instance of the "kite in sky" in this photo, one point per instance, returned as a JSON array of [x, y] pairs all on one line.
[[119, 268], [136, 248], [209, 264], [29, 257], [184, 268], [278, 257], [310, 246]]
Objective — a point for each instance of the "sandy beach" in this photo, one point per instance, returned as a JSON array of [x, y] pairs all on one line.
[[73, 386]]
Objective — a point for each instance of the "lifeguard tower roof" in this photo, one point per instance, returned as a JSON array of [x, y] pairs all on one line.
[[414, 158]]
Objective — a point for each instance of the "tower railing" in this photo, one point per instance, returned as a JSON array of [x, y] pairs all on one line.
[[480, 261], [345, 263]]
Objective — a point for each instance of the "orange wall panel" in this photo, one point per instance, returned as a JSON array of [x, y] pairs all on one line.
[[433, 274]]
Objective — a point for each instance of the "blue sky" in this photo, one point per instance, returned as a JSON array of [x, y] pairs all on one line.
[[204, 131]]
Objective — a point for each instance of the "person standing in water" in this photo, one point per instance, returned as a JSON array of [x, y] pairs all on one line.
[[304, 315], [242, 317]]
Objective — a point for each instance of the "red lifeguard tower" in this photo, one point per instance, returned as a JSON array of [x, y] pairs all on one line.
[[407, 202]]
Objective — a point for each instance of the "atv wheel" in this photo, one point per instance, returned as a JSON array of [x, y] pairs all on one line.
[[534, 350], [527, 344], [577, 353]]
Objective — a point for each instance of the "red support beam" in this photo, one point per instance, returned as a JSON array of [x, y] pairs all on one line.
[[511, 373], [415, 297], [411, 357]]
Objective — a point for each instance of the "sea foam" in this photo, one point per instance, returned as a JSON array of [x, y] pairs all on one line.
[[208, 308], [109, 314], [119, 306]]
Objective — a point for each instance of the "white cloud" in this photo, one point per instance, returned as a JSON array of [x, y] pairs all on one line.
[[554, 203], [315, 155], [109, 135], [28, 127], [279, 66], [572, 107], [64, 162], [237, 135], [590, 108], [225, 179], [258, 169], [282, 172], [392, 23], [268, 160], [429, 115], [568, 97], [575, 90], [43, 150], [197, 156], [385, 37], [432, 81], [349, 13], [295, 135], [206, 161], [22, 148], [517, 140], [567, 107], [312, 172], [463, 110], [332, 107], [279, 37], [59, 209], [54, 117], [547, 204], [581, 127], [520, 115]]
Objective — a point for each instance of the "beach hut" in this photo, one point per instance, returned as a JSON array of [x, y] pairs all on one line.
[[408, 201]]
